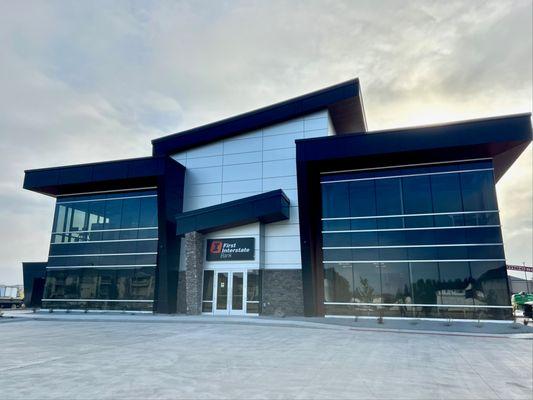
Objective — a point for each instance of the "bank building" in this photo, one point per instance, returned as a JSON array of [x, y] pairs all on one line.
[[289, 210]]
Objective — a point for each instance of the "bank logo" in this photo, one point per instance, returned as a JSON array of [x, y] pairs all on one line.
[[216, 247], [230, 249]]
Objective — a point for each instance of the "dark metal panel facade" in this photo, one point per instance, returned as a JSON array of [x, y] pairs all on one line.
[[110, 175], [500, 139], [33, 279], [169, 205]]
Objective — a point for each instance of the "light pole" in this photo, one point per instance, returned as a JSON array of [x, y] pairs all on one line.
[[525, 276]]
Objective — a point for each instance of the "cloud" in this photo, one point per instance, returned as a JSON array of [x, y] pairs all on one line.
[[91, 81]]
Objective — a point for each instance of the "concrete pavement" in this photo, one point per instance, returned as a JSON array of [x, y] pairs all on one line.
[[89, 356]]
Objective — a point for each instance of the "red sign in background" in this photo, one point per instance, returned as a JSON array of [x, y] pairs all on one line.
[[522, 268]]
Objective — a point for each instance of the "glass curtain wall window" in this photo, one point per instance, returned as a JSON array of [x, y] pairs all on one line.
[[417, 241], [103, 251]]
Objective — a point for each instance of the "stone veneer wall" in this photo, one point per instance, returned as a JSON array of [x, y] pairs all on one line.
[[282, 292], [182, 298], [191, 278]]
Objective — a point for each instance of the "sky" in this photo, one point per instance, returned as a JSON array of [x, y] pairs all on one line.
[[94, 81]]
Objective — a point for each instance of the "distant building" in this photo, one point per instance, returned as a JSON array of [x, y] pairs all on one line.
[[517, 285], [292, 209]]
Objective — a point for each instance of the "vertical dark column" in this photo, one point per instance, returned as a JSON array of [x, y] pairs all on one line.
[[33, 278], [309, 203], [169, 204]]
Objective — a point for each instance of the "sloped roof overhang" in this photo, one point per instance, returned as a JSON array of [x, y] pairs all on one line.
[[343, 101], [502, 139]]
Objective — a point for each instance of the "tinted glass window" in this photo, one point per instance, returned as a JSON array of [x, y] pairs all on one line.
[[113, 211], [336, 225], [60, 218], [96, 215], [338, 282], [123, 283], [100, 231], [390, 223], [253, 283], [362, 198], [489, 283], [143, 283], [455, 283], [62, 284], [482, 219], [398, 259], [367, 283], [416, 195], [418, 221], [207, 292], [148, 212], [88, 283], [337, 239], [364, 238], [446, 193], [478, 191], [79, 216], [363, 224], [395, 281], [130, 213], [388, 196], [425, 282], [449, 220], [106, 284], [336, 200]]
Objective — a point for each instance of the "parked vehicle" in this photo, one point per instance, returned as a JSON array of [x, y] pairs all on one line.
[[10, 297], [519, 299], [528, 309]]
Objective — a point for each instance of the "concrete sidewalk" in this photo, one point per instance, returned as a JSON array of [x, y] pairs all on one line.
[[506, 329]]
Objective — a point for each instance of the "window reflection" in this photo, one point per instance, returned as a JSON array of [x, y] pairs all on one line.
[[478, 191], [253, 292], [92, 283], [425, 282], [367, 283], [338, 283], [115, 213], [207, 296], [490, 283], [104, 230], [395, 283], [380, 251]]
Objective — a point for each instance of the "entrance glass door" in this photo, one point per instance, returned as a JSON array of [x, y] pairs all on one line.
[[229, 293], [222, 291], [237, 291]]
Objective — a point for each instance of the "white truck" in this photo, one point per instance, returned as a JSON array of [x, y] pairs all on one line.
[[10, 296]]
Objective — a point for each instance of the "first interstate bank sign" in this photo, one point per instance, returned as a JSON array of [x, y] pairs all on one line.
[[230, 249]]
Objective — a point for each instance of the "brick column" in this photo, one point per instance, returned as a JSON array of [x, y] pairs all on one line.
[[194, 263]]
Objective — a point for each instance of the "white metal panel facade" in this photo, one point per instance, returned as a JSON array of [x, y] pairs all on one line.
[[253, 163]]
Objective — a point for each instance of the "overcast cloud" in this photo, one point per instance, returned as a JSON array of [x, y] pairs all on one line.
[[93, 81]]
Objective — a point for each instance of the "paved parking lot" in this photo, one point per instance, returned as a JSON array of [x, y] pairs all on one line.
[[199, 359]]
